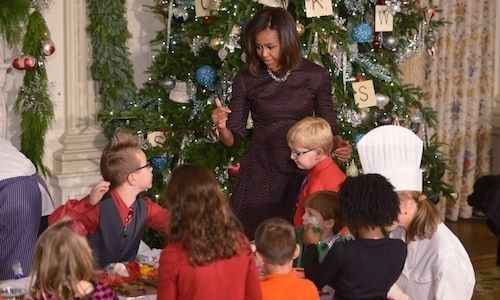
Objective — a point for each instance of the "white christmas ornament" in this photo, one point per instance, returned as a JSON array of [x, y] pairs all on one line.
[[222, 53], [352, 169], [179, 93]]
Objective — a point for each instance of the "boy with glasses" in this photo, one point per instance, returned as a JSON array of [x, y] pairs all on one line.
[[114, 213], [311, 144]]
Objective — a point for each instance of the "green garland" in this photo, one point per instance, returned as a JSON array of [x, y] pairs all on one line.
[[13, 15], [111, 67], [33, 102]]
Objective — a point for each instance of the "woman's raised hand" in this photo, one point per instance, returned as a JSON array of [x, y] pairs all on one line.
[[220, 114]]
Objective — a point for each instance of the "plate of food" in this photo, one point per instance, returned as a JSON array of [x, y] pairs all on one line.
[[132, 280]]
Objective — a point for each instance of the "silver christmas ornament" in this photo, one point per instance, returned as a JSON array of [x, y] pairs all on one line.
[[385, 119], [382, 100], [390, 42], [222, 53], [167, 84], [366, 116], [300, 28], [180, 14]]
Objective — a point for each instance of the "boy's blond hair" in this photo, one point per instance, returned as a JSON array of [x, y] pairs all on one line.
[[311, 133], [119, 158]]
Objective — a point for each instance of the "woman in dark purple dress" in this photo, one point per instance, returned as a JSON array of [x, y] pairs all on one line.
[[278, 88]]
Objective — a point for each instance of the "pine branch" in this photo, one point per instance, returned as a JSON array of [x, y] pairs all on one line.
[[33, 102], [111, 67], [13, 16]]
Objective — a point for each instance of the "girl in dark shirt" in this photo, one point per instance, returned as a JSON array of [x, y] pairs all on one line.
[[368, 266]]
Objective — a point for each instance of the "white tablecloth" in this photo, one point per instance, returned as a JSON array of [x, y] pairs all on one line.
[[19, 283]]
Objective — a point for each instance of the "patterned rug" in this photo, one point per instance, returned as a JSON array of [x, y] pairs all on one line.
[[487, 284]]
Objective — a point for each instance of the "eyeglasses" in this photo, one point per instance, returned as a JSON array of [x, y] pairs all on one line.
[[298, 154], [147, 165]]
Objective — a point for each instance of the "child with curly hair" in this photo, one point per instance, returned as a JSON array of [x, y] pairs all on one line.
[[207, 255], [64, 267], [368, 266]]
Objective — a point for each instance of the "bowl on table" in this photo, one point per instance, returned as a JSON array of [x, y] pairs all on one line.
[[12, 293]]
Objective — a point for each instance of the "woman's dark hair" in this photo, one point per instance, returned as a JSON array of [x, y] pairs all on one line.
[[368, 201], [200, 216], [278, 19]]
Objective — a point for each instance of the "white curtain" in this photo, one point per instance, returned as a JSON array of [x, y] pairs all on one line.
[[458, 82]]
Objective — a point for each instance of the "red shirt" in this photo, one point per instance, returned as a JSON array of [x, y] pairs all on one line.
[[234, 278], [324, 176], [88, 214]]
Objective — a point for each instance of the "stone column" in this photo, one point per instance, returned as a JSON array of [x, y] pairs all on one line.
[[76, 165]]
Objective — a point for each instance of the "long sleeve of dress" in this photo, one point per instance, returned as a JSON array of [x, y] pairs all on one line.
[[323, 105], [240, 108]]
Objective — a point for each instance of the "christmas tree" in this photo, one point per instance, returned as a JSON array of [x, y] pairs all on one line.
[[359, 42]]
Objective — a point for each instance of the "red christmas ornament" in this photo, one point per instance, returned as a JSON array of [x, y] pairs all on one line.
[[377, 41], [207, 20], [17, 63], [431, 11], [360, 78], [234, 169], [48, 47], [29, 62]]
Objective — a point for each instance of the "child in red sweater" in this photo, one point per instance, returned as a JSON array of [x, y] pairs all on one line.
[[311, 144], [207, 255]]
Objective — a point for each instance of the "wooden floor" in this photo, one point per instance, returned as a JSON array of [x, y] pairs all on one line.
[[477, 239], [481, 245]]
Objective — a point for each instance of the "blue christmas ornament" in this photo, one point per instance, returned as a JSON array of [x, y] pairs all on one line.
[[362, 33], [205, 76], [159, 162], [358, 137]]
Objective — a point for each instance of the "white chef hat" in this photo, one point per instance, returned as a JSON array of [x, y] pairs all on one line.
[[394, 152]]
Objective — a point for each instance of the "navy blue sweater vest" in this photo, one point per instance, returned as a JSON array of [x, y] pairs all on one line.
[[112, 242]]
